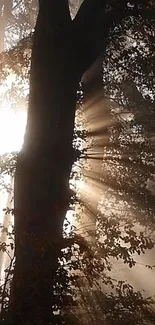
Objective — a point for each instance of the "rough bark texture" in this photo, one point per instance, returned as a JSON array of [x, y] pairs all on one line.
[[44, 165], [61, 54]]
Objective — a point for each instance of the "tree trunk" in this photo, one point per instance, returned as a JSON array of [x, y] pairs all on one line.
[[44, 165], [5, 13]]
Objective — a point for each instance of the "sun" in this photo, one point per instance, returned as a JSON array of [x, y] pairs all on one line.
[[12, 121], [12, 128]]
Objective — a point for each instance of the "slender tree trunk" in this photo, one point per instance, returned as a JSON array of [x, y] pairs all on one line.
[[5, 12], [44, 165]]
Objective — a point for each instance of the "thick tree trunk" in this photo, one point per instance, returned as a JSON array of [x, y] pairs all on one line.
[[62, 52], [43, 167]]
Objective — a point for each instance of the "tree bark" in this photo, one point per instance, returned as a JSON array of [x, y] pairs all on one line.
[[59, 58], [43, 167]]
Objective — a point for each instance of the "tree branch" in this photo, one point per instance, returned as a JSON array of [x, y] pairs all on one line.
[[88, 13]]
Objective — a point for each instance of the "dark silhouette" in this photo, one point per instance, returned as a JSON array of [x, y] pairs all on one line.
[[62, 52]]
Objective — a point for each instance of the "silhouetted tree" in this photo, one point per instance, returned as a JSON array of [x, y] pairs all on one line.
[[62, 51]]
